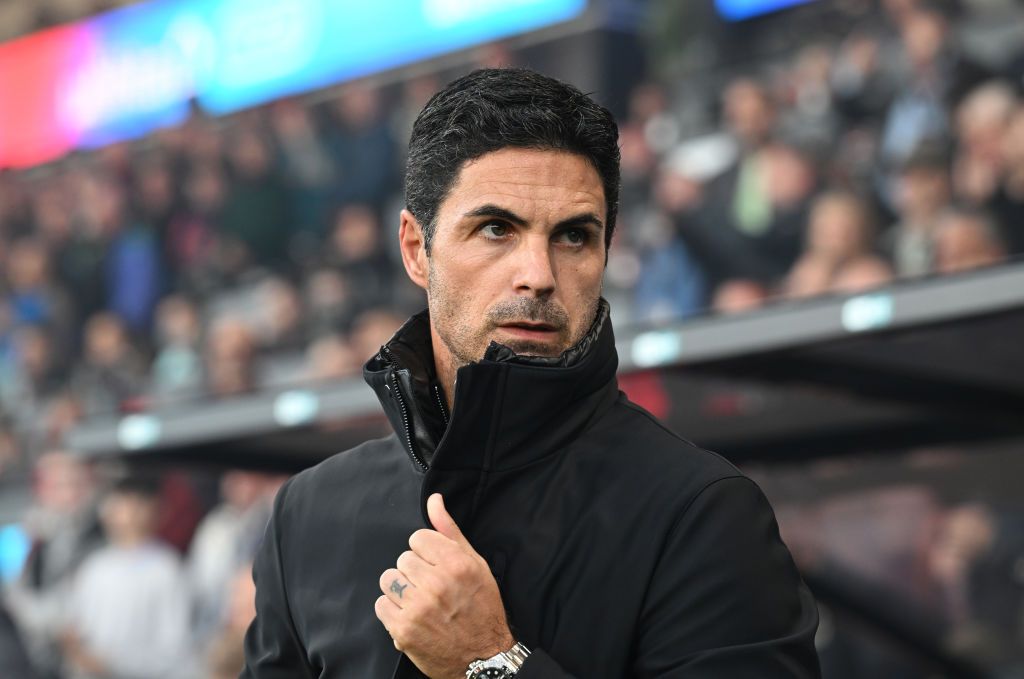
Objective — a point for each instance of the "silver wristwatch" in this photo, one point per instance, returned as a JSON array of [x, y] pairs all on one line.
[[501, 666]]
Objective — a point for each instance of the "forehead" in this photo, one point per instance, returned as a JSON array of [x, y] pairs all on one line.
[[540, 182]]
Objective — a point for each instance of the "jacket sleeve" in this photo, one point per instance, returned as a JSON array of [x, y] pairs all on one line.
[[272, 646], [725, 599]]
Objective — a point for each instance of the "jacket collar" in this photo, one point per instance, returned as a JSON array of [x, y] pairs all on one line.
[[509, 410]]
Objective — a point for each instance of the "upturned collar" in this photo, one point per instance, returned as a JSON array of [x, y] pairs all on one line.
[[509, 410]]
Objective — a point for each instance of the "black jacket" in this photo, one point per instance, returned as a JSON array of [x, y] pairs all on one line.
[[621, 550]]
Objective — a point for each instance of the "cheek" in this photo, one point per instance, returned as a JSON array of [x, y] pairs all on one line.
[[581, 284], [583, 278]]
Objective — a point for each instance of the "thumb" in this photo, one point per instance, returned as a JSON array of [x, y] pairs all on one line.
[[443, 522]]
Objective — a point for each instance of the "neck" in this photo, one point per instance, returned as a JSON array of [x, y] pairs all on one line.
[[446, 367], [129, 540]]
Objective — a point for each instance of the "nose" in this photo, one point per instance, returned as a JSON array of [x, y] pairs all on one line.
[[535, 273]]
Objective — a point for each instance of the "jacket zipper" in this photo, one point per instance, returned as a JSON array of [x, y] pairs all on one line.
[[440, 404], [405, 411]]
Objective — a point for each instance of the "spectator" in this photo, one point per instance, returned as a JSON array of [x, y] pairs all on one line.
[[134, 274], [861, 87], [742, 193], [329, 304], [229, 358], [696, 244], [52, 218], [222, 544], [63, 526], [840, 230], [111, 374], [191, 239], [363, 149], [177, 368], [756, 207], [924, 193], [52, 425], [36, 376], [937, 78], [670, 284], [983, 121], [98, 200], [811, 119], [129, 608], [355, 250], [966, 240], [154, 198], [330, 358], [34, 297], [256, 209], [280, 317], [308, 167]]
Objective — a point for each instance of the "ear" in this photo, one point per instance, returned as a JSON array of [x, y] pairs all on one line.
[[414, 249]]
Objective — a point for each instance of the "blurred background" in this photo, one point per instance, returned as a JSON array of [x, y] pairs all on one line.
[[817, 273]]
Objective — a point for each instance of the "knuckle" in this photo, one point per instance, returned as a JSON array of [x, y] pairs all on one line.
[[427, 601], [419, 537], [405, 559], [462, 569]]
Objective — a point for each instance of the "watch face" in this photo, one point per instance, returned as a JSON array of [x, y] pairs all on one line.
[[494, 673]]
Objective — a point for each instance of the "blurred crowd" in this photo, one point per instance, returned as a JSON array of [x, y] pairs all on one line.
[[119, 584], [886, 151], [228, 255], [256, 251]]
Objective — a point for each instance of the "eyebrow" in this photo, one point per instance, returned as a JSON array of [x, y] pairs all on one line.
[[586, 218]]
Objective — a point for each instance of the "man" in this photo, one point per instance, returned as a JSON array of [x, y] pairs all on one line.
[[128, 612], [525, 519]]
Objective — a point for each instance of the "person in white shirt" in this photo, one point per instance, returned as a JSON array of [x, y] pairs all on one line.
[[128, 613]]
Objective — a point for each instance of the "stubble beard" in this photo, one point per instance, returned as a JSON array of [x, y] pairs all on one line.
[[467, 342]]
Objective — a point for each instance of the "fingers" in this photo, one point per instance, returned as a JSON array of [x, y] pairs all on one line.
[[431, 546], [442, 521], [387, 612], [413, 566], [396, 587]]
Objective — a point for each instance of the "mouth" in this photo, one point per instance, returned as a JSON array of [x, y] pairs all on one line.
[[530, 330]]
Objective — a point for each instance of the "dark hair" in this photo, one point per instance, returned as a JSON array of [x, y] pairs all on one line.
[[145, 486], [495, 108]]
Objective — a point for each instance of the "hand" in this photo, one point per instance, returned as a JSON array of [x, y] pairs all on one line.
[[78, 657], [441, 604]]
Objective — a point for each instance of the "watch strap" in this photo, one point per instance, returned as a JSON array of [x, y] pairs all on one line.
[[517, 655], [509, 661]]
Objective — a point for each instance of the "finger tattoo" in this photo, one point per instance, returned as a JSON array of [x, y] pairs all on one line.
[[398, 588]]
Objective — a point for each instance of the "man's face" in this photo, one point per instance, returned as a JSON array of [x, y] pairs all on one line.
[[517, 254]]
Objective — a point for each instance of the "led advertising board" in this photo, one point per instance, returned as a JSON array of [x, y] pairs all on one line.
[[123, 73], [738, 10]]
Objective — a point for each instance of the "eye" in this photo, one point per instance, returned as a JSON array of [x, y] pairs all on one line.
[[574, 237], [494, 230]]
